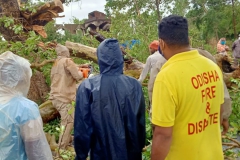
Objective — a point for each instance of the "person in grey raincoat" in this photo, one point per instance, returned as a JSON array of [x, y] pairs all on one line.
[[21, 128], [236, 52], [110, 111]]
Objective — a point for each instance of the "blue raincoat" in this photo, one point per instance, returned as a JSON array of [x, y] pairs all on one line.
[[21, 128], [110, 111]]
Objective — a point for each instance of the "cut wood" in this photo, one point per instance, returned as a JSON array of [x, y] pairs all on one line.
[[89, 53], [225, 63], [48, 111], [31, 21], [82, 51], [38, 66]]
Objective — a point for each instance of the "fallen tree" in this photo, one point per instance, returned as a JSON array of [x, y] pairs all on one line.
[[134, 67], [48, 112], [225, 63], [44, 13]]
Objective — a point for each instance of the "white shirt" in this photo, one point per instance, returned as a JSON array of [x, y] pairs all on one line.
[[151, 61]]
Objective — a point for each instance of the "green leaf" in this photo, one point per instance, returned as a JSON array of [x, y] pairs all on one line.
[[71, 110], [65, 157]]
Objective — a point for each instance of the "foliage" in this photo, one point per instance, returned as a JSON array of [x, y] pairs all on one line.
[[67, 155], [59, 35], [214, 18], [138, 19], [235, 96], [234, 118], [66, 2], [147, 153], [53, 127], [8, 22]]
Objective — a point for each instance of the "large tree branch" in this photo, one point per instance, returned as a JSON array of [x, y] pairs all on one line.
[[82, 51], [38, 66]]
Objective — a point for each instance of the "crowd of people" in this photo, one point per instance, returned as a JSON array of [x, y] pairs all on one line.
[[189, 102]]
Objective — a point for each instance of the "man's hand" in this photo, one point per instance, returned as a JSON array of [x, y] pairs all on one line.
[[227, 48], [162, 138], [225, 125]]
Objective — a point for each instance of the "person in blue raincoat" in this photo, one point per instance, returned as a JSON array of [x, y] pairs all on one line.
[[21, 130], [110, 111]]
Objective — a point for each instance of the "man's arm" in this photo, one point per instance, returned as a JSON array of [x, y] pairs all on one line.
[[145, 70], [221, 114], [72, 68], [163, 117], [162, 138], [155, 70], [35, 142]]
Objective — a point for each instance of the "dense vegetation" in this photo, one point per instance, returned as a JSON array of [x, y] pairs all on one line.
[[209, 20]]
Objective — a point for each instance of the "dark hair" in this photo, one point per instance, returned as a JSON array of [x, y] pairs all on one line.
[[174, 30]]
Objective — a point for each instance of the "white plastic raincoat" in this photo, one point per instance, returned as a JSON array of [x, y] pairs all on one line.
[[21, 130]]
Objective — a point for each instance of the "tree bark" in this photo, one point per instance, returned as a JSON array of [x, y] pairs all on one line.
[[31, 21], [158, 11], [38, 90], [89, 53], [234, 19], [48, 112], [224, 62], [82, 51]]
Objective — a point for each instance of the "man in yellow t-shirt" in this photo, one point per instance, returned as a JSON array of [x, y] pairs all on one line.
[[187, 98]]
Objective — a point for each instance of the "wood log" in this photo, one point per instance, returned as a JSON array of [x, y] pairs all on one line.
[[55, 7], [82, 51], [89, 53], [225, 64], [31, 21], [48, 111]]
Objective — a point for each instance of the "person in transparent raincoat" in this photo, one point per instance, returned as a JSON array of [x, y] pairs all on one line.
[[21, 128]]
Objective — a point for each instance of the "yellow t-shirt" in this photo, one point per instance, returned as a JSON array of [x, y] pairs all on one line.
[[187, 95]]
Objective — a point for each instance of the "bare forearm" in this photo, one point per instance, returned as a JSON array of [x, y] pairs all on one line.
[[160, 146], [221, 114]]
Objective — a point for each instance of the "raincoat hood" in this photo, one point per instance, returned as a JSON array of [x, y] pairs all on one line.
[[15, 74], [110, 57], [62, 51], [110, 111]]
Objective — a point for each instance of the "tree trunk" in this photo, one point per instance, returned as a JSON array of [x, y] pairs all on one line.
[[38, 90], [224, 62], [29, 20], [234, 19], [88, 53], [158, 11], [48, 112]]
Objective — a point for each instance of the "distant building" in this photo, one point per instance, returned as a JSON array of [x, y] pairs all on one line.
[[96, 21]]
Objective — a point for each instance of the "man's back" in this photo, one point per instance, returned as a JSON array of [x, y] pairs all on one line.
[[64, 75], [196, 94], [12, 116], [19, 124], [110, 111]]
